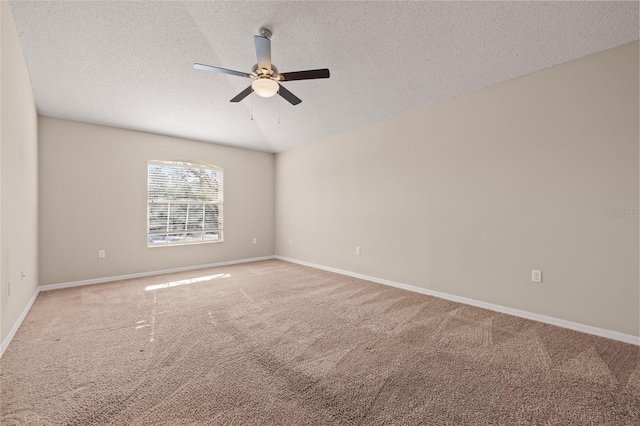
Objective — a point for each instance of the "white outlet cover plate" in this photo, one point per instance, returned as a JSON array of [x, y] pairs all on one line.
[[536, 275]]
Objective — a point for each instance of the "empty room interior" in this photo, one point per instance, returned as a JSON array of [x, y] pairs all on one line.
[[312, 213]]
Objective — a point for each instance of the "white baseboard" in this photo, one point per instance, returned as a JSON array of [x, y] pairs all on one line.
[[148, 274], [609, 334], [16, 326]]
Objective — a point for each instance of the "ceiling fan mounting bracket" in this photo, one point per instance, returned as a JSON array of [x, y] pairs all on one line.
[[265, 32]]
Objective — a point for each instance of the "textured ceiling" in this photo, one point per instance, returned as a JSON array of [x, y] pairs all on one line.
[[130, 64]]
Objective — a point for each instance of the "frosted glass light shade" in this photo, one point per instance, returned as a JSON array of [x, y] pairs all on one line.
[[265, 87]]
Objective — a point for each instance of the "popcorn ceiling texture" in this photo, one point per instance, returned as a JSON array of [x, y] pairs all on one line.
[[278, 343], [129, 64]]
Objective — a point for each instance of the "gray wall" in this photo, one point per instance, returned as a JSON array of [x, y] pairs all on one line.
[[19, 179], [93, 189], [468, 196]]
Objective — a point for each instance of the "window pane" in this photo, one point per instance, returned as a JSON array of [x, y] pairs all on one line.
[[157, 239], [196, 212], [194, 236], [177, 217], [157, 217], [213, 236], [212, 217]]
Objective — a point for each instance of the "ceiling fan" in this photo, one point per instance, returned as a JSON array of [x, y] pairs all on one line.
[[265, 75]]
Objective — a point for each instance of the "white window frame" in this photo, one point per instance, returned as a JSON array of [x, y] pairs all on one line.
[[173, 236]]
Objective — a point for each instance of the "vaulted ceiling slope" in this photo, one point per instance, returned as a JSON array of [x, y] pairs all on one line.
[[130, 64]]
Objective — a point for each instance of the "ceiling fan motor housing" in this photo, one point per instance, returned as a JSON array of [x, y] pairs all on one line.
[[261, 72]]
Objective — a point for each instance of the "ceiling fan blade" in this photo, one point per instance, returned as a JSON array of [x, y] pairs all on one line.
[[303, 75], [263, 52], [221, 70], [293, 99], [240, 96]]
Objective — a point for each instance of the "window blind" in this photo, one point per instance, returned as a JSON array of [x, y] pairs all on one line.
[[184, 202]]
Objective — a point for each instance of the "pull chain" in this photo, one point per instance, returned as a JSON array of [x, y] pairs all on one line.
[[278, 106]]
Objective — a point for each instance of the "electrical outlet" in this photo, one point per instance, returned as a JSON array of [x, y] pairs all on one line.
[[357, 250], [102, 254], [536, 276], [255, 241]]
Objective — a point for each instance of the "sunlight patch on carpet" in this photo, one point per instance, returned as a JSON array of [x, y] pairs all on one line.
[[184, 282]]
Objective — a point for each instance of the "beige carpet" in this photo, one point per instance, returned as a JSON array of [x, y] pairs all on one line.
[[277, 343]]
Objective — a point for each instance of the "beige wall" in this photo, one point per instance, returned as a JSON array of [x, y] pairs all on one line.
[[93, 188], [468, 196], [18, 180]]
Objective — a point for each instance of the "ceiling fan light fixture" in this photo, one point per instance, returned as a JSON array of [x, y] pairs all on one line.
[[265, 87]]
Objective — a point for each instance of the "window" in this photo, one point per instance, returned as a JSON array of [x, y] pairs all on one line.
[[184, 203]]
